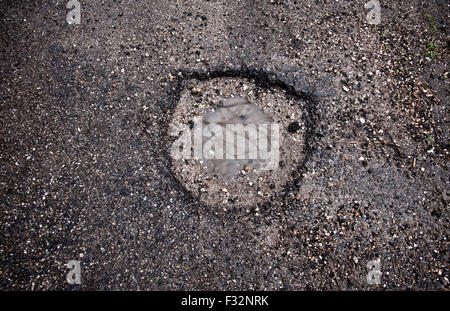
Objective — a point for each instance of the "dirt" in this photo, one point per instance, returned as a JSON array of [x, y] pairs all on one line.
[[238, 186]]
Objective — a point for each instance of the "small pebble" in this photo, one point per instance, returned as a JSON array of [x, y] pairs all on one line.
[[294, 127]]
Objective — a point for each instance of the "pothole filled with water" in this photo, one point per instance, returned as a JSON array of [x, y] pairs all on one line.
[[238, 178]]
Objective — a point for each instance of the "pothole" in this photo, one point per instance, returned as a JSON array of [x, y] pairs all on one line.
[[237, 182]]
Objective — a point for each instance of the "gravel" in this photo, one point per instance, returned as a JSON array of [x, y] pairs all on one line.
[[85, 167]]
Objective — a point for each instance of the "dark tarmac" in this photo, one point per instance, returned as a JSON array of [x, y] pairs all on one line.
[[85, 172]]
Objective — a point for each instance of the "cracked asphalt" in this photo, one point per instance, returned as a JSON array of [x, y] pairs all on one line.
[[85, 172]]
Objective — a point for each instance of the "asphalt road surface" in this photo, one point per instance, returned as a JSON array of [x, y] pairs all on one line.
[[85, 172]]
